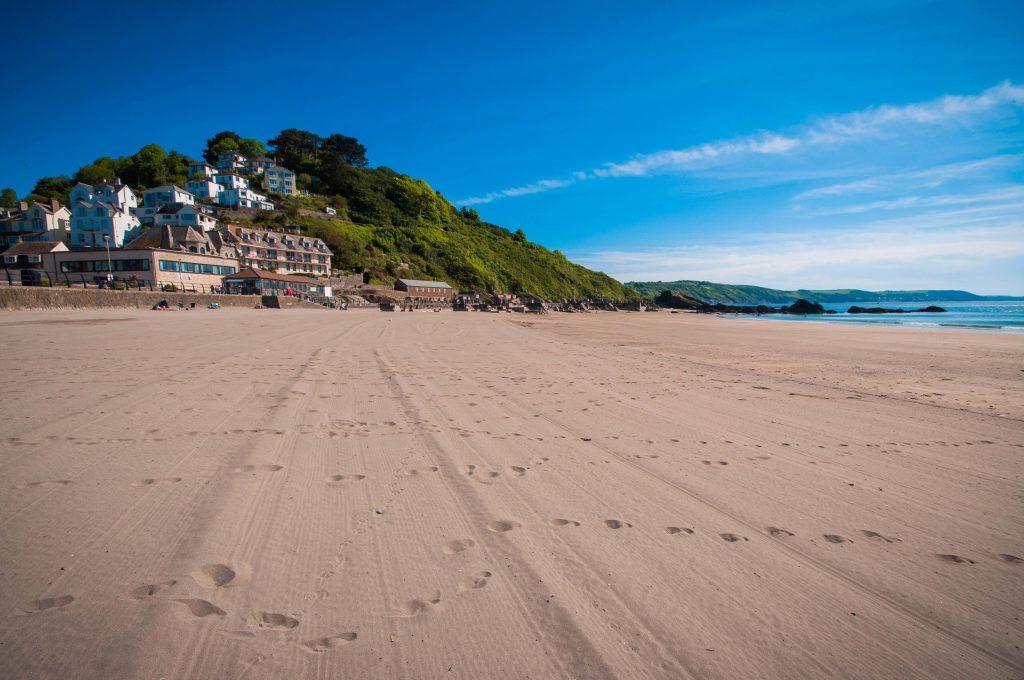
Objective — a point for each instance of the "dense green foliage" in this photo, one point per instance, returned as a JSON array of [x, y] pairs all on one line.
[[387, 220], [8, 198], [231, 141], [713, 293]]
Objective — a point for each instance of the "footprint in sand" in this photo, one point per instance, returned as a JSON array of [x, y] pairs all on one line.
[[258, 468], [415, 472], [876, 535], [320, 645], [457, 546], [150, 589], [221, 575], [518, 471], [45, 483], [474, 582], [836, 538], [1012, 559], [276, 621], [732, 538], [501, 526], [159, 481], [201, 608], [776, 531], [955, 559], [677, 530], [419, 606], [333, 479], [617, 524], [45, 604], [559, 522]]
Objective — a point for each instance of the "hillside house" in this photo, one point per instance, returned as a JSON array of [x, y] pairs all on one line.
[[280, 181], [232, 161], [285, 253], [35, 222], [203, 187]]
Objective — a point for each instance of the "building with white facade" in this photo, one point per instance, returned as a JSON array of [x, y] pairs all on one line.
[[282, 252], [231, 180], [185, 216], [203, 187], [280, 180], [35, 222], [200, 169], [243, 198], [105, 209], [256, 166], [157, 197], [232, 161]]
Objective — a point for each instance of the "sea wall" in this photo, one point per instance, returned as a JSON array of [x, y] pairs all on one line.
[[31, 297]]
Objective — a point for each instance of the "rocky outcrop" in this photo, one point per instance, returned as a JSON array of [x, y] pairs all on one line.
[[883, 310], [803, 307]]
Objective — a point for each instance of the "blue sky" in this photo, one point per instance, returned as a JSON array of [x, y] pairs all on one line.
[[873, 144]]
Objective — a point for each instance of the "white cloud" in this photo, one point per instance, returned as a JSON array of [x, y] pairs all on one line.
[[928, 178], [845, 128], [906, 202], [883, 252]]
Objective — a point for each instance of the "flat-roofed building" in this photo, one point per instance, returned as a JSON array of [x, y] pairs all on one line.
[[258, 282]]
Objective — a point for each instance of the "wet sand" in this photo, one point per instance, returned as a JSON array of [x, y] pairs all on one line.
[[297, 493]]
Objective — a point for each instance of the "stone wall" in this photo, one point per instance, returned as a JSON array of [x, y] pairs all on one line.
[[17, 297]]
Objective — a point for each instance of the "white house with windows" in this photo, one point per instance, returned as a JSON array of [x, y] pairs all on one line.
[[203, 187], [280, 180], [232, 161], [231, 180], [244, 198], [105, 209], [185, 216], [198, 169], [115, 193], [257, 166], [157, 197], [35, 222]]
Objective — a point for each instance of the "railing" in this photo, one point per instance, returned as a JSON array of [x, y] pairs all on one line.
[[67, 280]]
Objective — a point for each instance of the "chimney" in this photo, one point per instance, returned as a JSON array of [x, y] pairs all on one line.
[[54, 205], [23, 206], [168, 237]]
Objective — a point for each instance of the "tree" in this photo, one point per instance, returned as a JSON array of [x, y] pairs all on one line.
[[8, 198], [251, 148], [52, 187], [348, 148], [519, 235], [296, 149], [147, 168], [210, 154]]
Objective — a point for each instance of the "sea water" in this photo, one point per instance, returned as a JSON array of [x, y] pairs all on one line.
[[1006, 317]]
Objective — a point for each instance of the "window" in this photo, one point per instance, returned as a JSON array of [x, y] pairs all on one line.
[[10, 259], [195, 268], [35, 258]]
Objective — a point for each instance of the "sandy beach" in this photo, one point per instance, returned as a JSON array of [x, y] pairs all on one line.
[[311, 494]]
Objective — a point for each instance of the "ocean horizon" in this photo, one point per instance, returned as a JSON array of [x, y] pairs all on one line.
[[990, 316]]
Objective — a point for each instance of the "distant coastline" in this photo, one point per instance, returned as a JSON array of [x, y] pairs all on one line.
[[722, 293]]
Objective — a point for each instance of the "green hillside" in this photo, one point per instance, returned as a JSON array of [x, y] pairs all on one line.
[[752, 295], [384, 219]]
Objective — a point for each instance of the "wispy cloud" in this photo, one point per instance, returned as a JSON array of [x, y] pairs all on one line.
[[834, 130], [860, 257], [1014, 193], [928, 178]]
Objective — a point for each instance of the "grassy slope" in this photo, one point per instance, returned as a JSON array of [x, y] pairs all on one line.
[[747, 295], [440, 242]]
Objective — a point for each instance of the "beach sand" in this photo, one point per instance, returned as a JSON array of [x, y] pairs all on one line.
[[310, 494]]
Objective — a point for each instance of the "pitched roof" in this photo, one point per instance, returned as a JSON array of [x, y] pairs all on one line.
[[35, 247], [424, 284], [167, 238]]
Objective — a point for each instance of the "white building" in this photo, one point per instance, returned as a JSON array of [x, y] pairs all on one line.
[[35, 222], [257, 166], [244, 198], [157, 197], [105, 209], [203, 187], [232, 161], [185, 216], [198, 169], [231, 180], [280, 180]]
